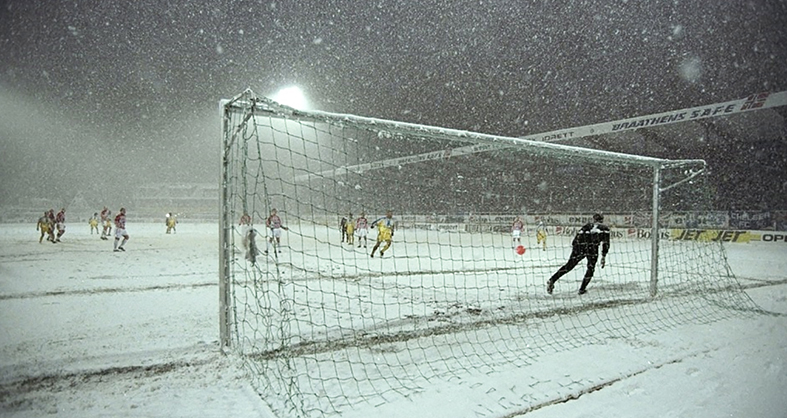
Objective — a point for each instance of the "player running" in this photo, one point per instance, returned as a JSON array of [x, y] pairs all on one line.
[[385, 230], [275, 226], [249, 240], [60, 223], [51, 216], [106, 223], [516, 232], [171, 221], [93, 222], [541, 234], [343, 228], [120, 230], [585, 245], [45, 227], [350, 230], [362, 229]]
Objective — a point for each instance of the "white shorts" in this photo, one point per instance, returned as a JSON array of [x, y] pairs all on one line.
[[61, 226], [362, 233], [516, 234], [120, 233], [275, 232]]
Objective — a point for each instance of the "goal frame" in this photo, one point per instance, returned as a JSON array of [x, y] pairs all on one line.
[[248, 105]]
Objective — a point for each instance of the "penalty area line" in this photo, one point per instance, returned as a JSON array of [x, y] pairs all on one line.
[[601, 385]]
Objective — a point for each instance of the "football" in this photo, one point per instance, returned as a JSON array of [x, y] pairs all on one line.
[[520, 250]]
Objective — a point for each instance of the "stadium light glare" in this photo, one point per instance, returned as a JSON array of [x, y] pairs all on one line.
[[291, 96]]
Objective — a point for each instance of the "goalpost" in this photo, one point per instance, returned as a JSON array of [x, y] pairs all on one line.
[[322, 326]]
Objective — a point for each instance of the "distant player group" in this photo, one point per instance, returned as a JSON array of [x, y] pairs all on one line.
[[586, 244], [517, 229], [53, 226], [349, 228], [359, 227]]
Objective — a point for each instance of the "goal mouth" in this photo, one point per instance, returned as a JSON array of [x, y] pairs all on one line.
[[329, 310]]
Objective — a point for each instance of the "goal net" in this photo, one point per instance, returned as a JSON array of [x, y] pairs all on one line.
[[323, 327]]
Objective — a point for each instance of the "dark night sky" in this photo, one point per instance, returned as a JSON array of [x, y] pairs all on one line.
[[100, 96]]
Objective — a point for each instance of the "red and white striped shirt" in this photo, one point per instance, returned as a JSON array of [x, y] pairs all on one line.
[[120, 221], [517, 226], [273, 222]]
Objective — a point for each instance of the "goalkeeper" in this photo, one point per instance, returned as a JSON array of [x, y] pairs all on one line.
[[385, 231], [585, 245]]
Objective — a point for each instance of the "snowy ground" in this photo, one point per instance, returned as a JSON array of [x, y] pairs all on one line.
[[86, 332]]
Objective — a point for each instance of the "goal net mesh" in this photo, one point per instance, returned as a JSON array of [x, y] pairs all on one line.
[[322, 327]]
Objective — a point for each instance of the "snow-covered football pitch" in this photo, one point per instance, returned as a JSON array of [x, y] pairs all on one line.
[[88, 332]]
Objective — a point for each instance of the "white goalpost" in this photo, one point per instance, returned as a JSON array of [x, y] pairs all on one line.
[[321, 326]]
